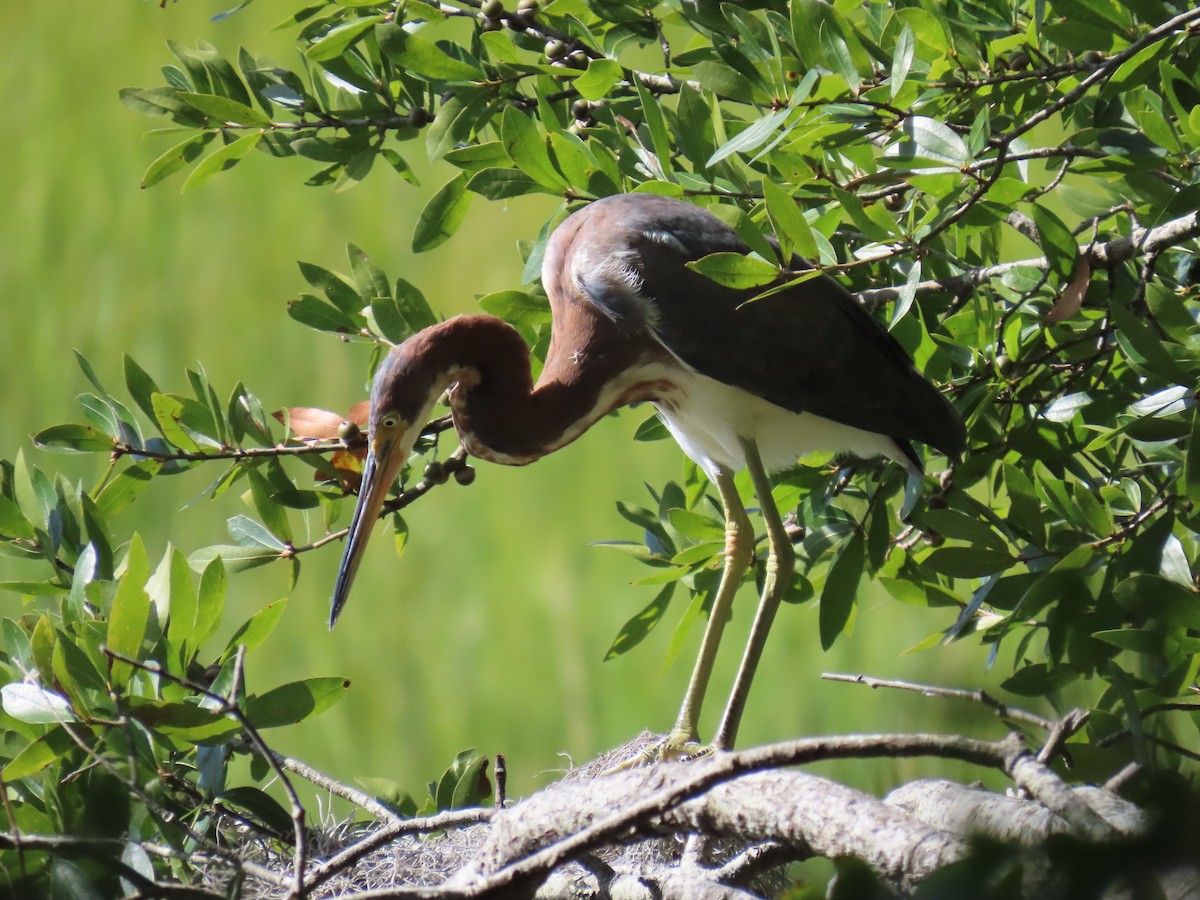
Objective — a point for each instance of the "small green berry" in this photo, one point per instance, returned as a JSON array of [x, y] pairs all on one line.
[[349, 433], [465, 475], [555, 49], [435, 473], [493, 9]]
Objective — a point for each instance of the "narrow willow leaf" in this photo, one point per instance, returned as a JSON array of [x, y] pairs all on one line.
[[210, 601], [224, 158], [841, 589], [73, 438], [256, 629], [225, 110], [902, 60], [38, 754], [1192, 463], [176, 158], [423, 58], [634, 631], [752, 136], [336, 41], [788, 222], [735, 270], [295, 702], [442, 215], [130, 616], [526, 146]]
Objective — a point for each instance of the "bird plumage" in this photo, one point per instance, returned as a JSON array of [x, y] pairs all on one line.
[[810, 349]]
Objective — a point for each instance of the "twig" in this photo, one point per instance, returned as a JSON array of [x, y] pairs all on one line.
[[1141, 242], [1002, 709], [326, 783]]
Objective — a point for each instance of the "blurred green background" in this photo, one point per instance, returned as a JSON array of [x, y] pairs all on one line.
[[491, 631]]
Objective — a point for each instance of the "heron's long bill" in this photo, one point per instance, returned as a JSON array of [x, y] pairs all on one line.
[[379, 471]]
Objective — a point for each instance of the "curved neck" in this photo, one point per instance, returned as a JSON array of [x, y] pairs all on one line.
[[498, 412]]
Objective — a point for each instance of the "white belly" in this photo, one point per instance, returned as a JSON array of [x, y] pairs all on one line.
[[707, 417]]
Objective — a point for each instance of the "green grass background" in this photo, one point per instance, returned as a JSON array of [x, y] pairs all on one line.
[[491, 630]]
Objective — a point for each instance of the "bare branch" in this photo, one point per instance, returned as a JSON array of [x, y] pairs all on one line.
[[1142, 242]]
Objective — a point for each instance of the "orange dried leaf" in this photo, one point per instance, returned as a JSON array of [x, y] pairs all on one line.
[[1070, 301], [360, 413], [349, 467], [310, 423]]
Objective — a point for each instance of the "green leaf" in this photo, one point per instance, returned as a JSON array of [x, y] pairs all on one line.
[[368, 277], [130, 616], [339, 290], [294, 702], [1038, 680], [1057, 242], [423, 58], [210, 601], [39, 753], [1191, 465], [788, 223], [442, 215], [1143, 347], [181, 602], [1135, 639], [953, 524], [499, 184], [652, 429], [735, 270], [13, 523], [695, 525], [225, 158], [901, 60], [140, 386], [337, 40], [841, 589], [225, 110], [660, 138], [1155, 597], [526, 146], [124, 489], [176, 158], [73, 438], [837, 51], [928, 139], [168, 413], [601, 74], [310, 310], [751, 137], [237, 558], [635, 630], [969, 562]]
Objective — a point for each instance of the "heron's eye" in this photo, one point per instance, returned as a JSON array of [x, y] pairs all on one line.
[[389, 421]]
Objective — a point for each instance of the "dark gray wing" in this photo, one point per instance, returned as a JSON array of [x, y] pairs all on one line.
[[810, 348]]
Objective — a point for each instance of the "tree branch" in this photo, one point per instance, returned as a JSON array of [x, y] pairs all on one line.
[[1141, 242]]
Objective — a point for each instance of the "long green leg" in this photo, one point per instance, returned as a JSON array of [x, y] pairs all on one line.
[[739, 547], [781, 562]]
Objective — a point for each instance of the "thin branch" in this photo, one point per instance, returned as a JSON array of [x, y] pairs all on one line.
[[1002, 709], [1141, 242], [326, 783]]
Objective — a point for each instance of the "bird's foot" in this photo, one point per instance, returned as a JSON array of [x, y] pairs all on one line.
[[674, 747]]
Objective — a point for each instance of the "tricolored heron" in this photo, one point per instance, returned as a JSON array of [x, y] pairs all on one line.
[[738, 384]]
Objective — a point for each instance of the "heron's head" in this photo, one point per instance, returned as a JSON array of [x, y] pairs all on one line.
[[401, 400]]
